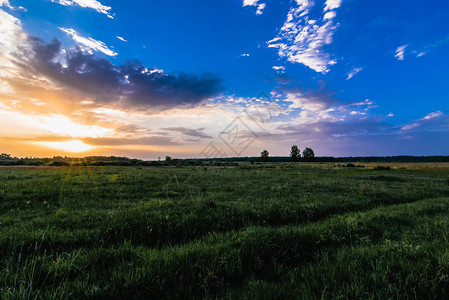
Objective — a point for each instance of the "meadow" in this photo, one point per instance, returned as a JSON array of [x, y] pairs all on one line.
[[262, 231]]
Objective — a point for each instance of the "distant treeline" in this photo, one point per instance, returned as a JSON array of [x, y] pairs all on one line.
[[365, 159], [8, 160], [60, 161]]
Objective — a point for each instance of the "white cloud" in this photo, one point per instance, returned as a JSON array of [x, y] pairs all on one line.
[[353, 72], [329, 15], [366, 102], [421, 54], [244, 54], [419, 122], [332, 4], [89, 43], [304, 6], [260, 9], [432, 115], [8, 5], [5, 3], [279, 68], [301, 40], [87, 4], [411, 126], [260, 6], [12, 38], [400, 52], [122, 39]]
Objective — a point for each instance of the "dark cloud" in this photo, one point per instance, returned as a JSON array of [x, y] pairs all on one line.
[[189, 131], [131, 83], [322, 95], [148, 140], [131, 128], [281, 79]]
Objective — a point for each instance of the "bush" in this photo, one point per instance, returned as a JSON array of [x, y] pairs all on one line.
[[382, 168]]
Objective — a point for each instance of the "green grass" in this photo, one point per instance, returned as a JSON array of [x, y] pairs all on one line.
[[250, 232]]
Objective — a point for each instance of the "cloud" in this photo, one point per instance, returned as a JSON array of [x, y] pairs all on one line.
[[329, 15], [431, 46], [146, 140], [5, 3], [122, 39], [316, 101], [130, 84], [433, 115], [366, 102], [8, 5], [279, 68], [189, 131], [48, 73], [89, 43], [400, 52], [434, 120], [332, 4], [93, 4], [311, 100], [11, 39], [302, 39], [326, 129], [244, 54], [353, 73], [260, 6]]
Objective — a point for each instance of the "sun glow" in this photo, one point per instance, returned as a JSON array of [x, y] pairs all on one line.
[[73, 146], [61, 125]]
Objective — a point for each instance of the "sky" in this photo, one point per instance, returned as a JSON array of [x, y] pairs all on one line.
[[146, 79]]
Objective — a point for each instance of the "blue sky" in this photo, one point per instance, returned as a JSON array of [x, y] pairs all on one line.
[[153, 78]]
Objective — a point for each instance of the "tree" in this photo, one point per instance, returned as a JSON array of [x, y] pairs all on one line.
[[264, 156], [308, 154], [168, 159], [295, 153], [5, 156]]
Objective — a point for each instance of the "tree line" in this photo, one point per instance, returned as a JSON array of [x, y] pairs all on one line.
[[295, 154]]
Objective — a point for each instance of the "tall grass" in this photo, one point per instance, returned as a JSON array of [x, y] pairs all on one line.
[[287, 231]]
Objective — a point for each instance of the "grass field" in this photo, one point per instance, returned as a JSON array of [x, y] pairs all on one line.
[[274, 231]]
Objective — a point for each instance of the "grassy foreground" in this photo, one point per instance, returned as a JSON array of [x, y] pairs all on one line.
[[283, 231]]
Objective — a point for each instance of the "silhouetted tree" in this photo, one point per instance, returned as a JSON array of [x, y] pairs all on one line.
[[295, 153], [5, 156], [308, 154], [264, 156], [168, 158]]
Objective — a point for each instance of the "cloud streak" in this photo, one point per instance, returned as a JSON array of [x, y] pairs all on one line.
[[400, 51], [122, 39], [353, 72], [93, 4], [435, 120], [89, 43], [189, 131]]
